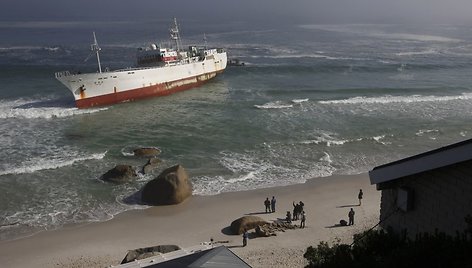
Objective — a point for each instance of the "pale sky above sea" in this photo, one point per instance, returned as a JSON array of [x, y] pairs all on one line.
[[312, 11]]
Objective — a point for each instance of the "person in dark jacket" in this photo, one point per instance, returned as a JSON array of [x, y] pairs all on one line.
[[351, 216], [359, 196], [267, 205]]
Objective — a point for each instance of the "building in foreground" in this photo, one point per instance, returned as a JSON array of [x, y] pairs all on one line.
[[427, 192], [200, 256]]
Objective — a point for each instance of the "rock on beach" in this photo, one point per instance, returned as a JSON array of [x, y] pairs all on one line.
[[171, 187]]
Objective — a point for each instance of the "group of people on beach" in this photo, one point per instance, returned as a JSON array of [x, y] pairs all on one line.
[[270, 205], [299, 213]]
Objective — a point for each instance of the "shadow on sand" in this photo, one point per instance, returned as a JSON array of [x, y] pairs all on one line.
[[257, 213], [348, 206], [227, 231], [336, 226]]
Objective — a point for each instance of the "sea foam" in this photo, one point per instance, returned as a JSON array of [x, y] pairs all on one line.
[[44, 164], [30, 110], [398, 99], [274, 105]]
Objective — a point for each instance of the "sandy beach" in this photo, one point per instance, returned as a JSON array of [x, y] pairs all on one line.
[[327, 200]]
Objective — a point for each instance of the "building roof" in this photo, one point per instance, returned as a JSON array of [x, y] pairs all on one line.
[[195, 257], [441, 157]]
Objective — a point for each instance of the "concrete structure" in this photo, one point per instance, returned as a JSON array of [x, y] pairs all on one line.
[[427, 192]]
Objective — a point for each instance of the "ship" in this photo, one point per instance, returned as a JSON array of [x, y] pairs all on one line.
[[159, 71]]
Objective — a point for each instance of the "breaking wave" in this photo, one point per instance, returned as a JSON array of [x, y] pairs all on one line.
[[249, 171], [398, 99], [44, 164], [274, 105], [43, 109], [299, 100]]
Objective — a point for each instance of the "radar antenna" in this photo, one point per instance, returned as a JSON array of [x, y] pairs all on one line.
[[95, 49]]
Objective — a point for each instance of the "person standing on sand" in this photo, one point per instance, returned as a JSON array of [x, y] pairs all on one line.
[[302, 219], [267, 205], [351, 216], [245, 236], [272, 204], [296, 211], [360, 195]]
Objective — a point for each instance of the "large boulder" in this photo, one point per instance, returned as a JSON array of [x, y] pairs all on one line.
[[120, 174], [171, 187], [246, 223], [147, 152], [151, 164], [143, 253]]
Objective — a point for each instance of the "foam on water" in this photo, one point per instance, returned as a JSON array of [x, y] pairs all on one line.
[[330, 140], [251, 172], [430, 51], [274, 105], [32, 110], [327, 138], [326, 158], [38, 164], [398, 99], [421, 132], [299, 100]]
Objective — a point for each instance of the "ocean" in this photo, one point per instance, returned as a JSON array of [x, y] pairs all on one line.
[[311, 101]]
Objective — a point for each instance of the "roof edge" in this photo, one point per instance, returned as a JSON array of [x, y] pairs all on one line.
[[441, 157]]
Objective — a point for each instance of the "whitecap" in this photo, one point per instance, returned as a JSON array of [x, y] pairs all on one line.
[[274, 105], [398, 99], [421, 132], [415, 53], [299, 100], [326, 138], [326, 157], [380, 138], [44, 164], [33, 110]]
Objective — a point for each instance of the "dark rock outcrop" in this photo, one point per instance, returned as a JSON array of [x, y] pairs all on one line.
[[151, 164], [143, 253], [146, 152], [120, 174], [246, 223], [171, 187], [271, 229]]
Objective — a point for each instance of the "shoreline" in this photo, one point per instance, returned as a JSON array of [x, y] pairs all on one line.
[[199, 218]]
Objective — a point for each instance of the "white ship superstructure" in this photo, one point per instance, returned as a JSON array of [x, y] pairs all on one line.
[[159, 71]]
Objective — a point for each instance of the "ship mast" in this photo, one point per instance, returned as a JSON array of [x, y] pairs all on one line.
[[175, 35], [95, 48]]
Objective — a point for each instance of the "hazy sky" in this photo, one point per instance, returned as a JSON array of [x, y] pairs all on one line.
[[310, 11]]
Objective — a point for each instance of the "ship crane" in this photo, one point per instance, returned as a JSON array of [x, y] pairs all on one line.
[[175, 35], [95, 49]]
